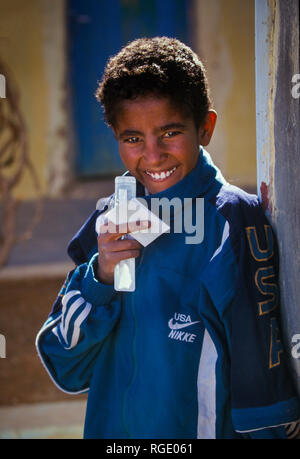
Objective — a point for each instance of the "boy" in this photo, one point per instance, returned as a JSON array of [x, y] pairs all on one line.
[[194, 351]]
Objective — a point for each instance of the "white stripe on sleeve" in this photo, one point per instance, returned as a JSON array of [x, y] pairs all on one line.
[[65, 300], [76, 330], [68, 331], [64, 327]]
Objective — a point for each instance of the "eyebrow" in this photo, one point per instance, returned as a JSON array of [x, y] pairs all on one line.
[[170, 126], [166, 127], [129, 133]]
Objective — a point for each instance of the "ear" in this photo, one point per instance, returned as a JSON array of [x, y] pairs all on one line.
[[206, 129]]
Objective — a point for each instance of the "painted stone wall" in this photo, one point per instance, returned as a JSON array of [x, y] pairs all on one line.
[[33, 45], [32, 49], [226, 41]]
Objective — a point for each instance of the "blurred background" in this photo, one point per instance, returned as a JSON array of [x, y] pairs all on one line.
[[57, 158]]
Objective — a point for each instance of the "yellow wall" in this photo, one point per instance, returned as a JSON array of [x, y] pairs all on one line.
[[227, 44], [21, 49], [32, 45]]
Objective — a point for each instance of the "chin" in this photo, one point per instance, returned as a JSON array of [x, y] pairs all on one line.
[[154, 188]]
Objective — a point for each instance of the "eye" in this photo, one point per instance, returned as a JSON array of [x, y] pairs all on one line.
[[132, 140], [170, 134]]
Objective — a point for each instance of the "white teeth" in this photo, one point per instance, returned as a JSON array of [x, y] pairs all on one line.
[[162, 175]]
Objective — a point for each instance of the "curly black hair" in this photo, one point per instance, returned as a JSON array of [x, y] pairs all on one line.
[[158, 66]]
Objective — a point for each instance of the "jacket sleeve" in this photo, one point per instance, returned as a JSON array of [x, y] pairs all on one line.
[[69, 342], [247, 300]]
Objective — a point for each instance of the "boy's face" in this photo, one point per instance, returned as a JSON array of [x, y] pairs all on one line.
[[158, 144]]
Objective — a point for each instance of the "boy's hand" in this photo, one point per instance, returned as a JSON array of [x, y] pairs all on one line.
[[112, 249]]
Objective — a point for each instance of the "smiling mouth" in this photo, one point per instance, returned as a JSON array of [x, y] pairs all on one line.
[[159, 176]]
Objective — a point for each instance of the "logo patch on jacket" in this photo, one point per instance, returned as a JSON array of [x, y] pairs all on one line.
[[178, 325]]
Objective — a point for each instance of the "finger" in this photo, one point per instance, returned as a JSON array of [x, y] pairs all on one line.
[[121, 245], [138, 225], [116, 257], [125, 228], [112, 231], [108, 227]]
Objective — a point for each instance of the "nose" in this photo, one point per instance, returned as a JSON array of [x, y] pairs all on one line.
[[153, 152]]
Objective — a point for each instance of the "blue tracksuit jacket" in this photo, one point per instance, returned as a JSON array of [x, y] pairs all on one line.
[[195, 351]]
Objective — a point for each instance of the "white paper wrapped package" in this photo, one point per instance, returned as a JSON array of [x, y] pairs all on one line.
[[132, 211], [128, 210]]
